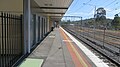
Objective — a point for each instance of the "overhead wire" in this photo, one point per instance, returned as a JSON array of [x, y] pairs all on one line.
[[119, 13], [73, 5], [110, 3], [105, 6], [115, 8], [103, 3], [79, 7], [76, 2], [83, 5], [90, 14], [92, 10], [114, 3]]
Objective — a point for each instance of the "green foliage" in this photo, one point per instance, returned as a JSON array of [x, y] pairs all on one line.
[[116, 22], [100, 17], [90, 23], [101, 11]]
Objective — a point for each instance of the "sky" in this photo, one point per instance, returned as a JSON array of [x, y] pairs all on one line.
[[86, 8]]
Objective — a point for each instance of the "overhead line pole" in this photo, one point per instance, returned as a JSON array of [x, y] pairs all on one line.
[[93, 17]]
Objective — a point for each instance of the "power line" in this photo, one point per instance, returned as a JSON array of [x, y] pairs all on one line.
[[75, 3], [80, 7], [114, 9], [88, 1], [103, 3], [83, 5], [110, 3], [88, 15], [119, 13]]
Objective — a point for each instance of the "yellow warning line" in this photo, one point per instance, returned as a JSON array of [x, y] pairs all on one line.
[[77, 54]]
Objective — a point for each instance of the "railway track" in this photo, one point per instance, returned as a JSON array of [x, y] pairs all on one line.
[[99, 35], [109, 51], [109, 40], [108, 32]]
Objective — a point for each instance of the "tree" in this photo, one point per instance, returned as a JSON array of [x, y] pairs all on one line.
[[101, 14], [101, 11], [116, 22], [100, 17]]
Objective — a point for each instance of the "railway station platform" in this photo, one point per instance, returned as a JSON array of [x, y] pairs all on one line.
[[61, 49]]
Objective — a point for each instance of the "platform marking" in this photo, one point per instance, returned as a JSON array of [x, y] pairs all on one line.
[[98, 62], [31, 62], [82, 62], [52, 36], [67, 41]]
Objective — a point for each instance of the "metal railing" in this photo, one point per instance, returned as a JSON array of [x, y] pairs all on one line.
[[11, 39]]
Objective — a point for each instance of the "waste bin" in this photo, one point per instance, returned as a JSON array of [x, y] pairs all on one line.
[[52, 28]]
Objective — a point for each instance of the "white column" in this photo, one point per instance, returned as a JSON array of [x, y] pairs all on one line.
[[48, 26], [27, 16]]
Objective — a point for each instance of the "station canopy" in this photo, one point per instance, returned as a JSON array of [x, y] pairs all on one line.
[[52, 8]]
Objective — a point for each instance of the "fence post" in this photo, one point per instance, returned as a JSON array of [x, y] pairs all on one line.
[[2, 39], [8, 47], [21, 23], [0, 45], [5, 46]]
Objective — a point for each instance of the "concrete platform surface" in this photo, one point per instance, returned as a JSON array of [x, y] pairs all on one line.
[[59, 50]]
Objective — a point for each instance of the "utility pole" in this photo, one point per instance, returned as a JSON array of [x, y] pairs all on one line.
[[94, 24], [81, 25], [94, 21], [81, 21], [101, 12]]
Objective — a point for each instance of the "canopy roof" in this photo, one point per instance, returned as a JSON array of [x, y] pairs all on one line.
[[51, 7]]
